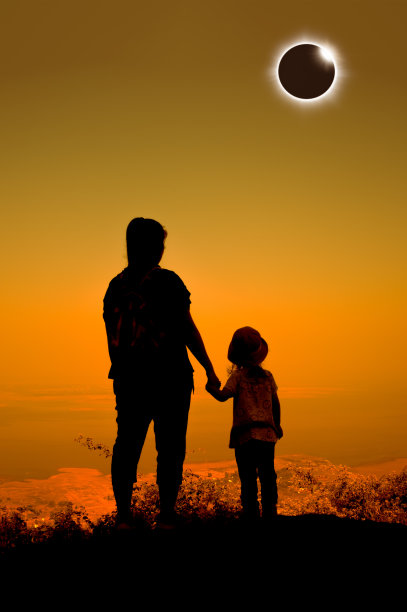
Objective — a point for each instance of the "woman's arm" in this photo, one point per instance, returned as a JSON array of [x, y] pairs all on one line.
[[195, 344]]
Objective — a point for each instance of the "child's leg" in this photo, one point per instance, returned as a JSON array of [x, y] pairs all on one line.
[[268, 478], [246, 465]]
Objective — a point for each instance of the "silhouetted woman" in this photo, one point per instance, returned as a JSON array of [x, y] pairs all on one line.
[[149, 327]]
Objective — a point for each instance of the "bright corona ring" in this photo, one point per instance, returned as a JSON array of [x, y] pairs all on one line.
[[306, 71]]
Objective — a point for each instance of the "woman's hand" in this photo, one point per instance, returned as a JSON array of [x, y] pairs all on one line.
[[213, 380], [220, 394]]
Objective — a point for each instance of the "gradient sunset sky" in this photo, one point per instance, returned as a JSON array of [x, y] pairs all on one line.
[[288, 219]]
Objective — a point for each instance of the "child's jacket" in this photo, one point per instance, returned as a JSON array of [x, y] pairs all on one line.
[[252, 407]]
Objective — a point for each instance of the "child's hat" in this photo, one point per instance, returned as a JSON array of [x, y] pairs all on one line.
[[247, 347]]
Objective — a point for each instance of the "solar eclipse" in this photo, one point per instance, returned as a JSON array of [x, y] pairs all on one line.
[[306, 71]]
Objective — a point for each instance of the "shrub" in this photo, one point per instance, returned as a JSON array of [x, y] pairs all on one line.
[[345, 494], [315, 488]]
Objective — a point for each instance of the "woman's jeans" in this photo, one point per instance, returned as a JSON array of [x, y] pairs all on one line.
[[138, 402]]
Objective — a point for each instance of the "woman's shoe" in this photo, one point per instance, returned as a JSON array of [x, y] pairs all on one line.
[[168, 521], [270, 514]]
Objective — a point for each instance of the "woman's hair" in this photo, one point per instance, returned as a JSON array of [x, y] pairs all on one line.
[[145, 241]]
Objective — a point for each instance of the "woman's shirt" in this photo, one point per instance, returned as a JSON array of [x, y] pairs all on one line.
[[146, 324], [252, 406]]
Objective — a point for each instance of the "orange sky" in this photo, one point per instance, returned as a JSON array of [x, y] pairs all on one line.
[[288, 219]]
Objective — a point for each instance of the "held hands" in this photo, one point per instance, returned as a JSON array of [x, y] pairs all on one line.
[[213, 381]]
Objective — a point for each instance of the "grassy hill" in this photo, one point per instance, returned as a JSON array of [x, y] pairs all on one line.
[[324, 510]]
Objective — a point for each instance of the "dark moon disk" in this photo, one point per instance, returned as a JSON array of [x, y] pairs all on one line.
[[304, 72]]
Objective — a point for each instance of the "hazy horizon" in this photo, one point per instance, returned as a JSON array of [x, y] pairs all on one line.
[[313, 420]]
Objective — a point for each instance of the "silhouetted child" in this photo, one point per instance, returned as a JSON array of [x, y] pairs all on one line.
[[256, 421]]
